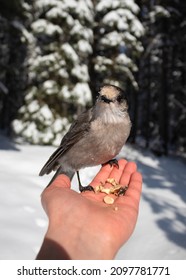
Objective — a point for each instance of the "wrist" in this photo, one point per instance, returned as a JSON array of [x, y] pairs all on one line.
[[64, 243]]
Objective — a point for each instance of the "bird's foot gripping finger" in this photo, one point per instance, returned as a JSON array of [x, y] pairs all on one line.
[[86, 188], [112, 162]]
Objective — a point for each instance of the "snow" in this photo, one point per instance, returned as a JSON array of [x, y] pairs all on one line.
[[50, 87], [84, 47], [115, 18], [63, 73], [31, 131], [46, 112], [159, 10], [33, 106], [46, 60], [59, 124], [54, 13], [123, 59], [83, 31], [83, 9], [82, 93], [44, 26], [48, 135], [122, 18], [65, 92], [17, 125], [21, 28], [129, 4], [137, 28], [69, 52], [112, 39], [101, 62], [161, 228], [162, 10], [81, 72]]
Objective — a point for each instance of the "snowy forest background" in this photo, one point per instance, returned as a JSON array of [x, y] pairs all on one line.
[[54, 55]]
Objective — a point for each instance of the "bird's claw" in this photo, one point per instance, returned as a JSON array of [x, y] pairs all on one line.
[[122, 191], [86, 188], [112, 162]]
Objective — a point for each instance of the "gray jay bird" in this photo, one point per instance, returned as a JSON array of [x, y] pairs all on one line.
[[95, 137]]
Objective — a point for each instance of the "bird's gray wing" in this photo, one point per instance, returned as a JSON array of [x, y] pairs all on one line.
[[75, 133]]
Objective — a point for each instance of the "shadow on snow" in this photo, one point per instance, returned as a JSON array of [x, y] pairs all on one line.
[[165, 174]]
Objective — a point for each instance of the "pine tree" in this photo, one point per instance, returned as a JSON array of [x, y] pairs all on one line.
[[117, 43], [58, 75], [13, 52], [75, 46], [162, 78]]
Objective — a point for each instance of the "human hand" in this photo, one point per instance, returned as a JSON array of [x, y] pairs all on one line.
[[81, 225]]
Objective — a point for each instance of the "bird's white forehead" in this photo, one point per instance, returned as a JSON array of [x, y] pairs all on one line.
[[109, 91]]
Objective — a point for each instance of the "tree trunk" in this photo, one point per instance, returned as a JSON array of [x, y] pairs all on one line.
[[163, 96]]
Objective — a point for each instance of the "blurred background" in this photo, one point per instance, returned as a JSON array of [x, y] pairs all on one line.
[[54, 56]]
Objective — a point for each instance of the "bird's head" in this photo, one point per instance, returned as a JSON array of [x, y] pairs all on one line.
[[113, 96]]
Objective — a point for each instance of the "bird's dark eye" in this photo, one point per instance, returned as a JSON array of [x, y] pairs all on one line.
[[119, 98]]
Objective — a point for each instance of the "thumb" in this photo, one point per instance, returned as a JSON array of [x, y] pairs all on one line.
[[61, 181], [51, 193]]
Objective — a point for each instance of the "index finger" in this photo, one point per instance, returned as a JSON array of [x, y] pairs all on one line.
[[135, 185], [102, 175], [133, 193]]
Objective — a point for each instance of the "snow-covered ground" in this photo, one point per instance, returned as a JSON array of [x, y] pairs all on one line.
[[161, 229]]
